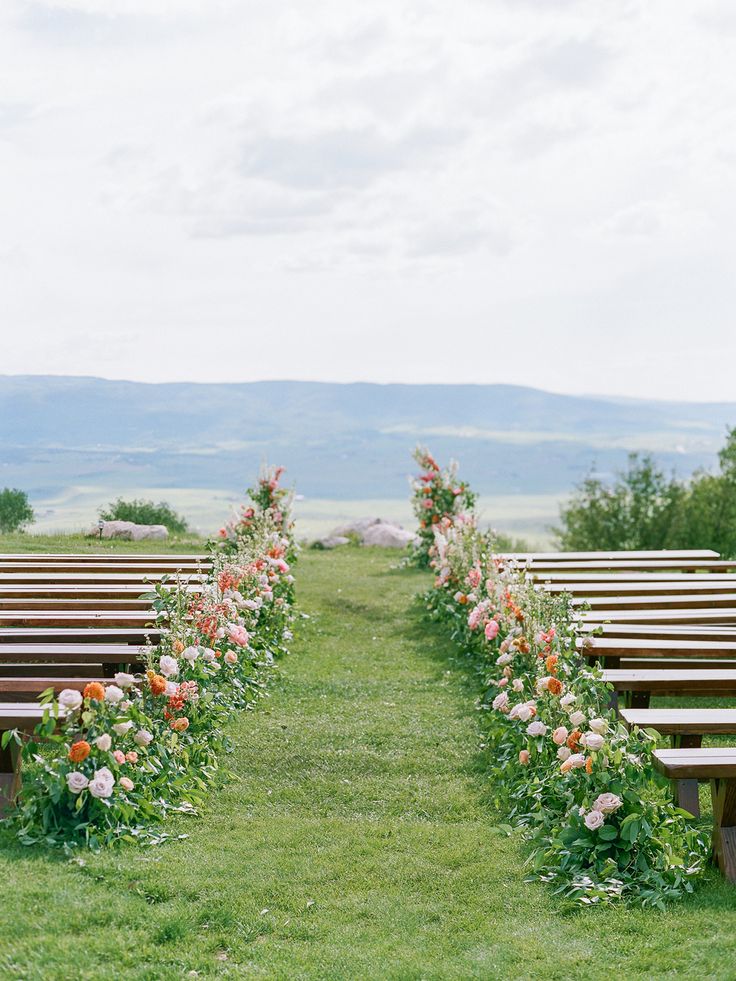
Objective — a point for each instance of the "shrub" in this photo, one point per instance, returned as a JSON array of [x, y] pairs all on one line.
[[145, 513], [15, 510]]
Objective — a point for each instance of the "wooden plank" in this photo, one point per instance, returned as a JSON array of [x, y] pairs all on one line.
[[638, 588], [28, 688], [63, 653], [673, 721], [663, 603], [76, 635], [133, 591], [698, 764], [63, 669], [664, 553], [656, 680], [69, 605], [170, 558], [621, 646], [542, 569], [706, 619], [87, 578], [80, 618], [690, 578], [88, 568]]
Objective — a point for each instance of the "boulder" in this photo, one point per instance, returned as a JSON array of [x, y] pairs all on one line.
[[332, 541], [388, 536], [358, 527], [128, 531]]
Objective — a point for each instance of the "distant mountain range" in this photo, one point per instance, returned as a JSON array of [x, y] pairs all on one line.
[[338, 441]]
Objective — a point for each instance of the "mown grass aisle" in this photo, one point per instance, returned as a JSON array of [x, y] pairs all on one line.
[[355, 842]]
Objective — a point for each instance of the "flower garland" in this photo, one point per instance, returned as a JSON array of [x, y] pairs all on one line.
[[113, 760], [570, 776], [437, 495]]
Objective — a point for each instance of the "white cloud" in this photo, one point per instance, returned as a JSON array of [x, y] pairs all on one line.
[[519, 181]]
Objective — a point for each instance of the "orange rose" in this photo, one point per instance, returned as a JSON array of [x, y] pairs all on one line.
[[158, 684], [181, 725], [79, 751], [94, 690], [589, 765], [551, 664], [462, 599], [573, 739], [554, 686], [177, 647]]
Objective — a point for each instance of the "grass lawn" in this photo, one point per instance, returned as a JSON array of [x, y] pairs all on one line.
[[355, 842]]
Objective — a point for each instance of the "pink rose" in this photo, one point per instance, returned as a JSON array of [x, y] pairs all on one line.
[[559, 736], [607, 803], [536, 728], [231, 657], [238, 635], [492, 629], [131, 757], [119, 756], [524, 756], [126, 783]]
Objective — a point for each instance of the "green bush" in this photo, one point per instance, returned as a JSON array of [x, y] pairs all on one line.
[[644, 509], [145, 513], [15, 510]]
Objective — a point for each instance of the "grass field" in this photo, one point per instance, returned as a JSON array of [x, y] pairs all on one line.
[[355, 842]]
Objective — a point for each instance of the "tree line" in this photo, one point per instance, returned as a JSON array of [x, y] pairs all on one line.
[[643, 508]]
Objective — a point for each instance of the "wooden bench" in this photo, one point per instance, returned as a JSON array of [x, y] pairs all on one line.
[[660, 553], [637, 631], [664, 618], [610, 650], [77, 635], [111, 558], [142, 580], [79, 618], [718, 766], [663, 603], [686, 728], [25, 717], [540, 569]]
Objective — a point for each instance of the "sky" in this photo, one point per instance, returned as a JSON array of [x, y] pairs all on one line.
[[537, 192]]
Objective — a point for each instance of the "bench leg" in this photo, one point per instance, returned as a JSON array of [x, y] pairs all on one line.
[[686, 791], [724, 826], [10, 759]]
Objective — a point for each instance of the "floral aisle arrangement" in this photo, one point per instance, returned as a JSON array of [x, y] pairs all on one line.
[[268, 499], [114, 760], [437, 494], [572, 778]]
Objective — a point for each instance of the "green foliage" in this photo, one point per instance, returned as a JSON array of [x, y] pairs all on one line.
[[15, 510], [437, 497], [644, 509], [145, 513]]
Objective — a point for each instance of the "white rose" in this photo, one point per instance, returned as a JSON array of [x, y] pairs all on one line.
[[504, 658], [594, 820], [599, 725], [525, 712], [567, 700], [143, 737], [577, 718], [564, 753], [593, 740], [171, 688], [102, 783], [190, 654], [607, 803], [70, 699], [501, 702], [208, 655], [113, 694], [536, 728], [517, 684], [124, 680], [122, 728], [542, 684], [103, 742], [76, 781], [168, 666]]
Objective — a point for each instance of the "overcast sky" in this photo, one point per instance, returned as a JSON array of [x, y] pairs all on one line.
[[531, 191]]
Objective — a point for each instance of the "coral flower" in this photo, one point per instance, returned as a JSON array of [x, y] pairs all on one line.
[[589, 765], [554, 686], [181, 725], [79, 751], [158, 684], [573, 740], [94, 690], [551, 664], [177, 647]]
